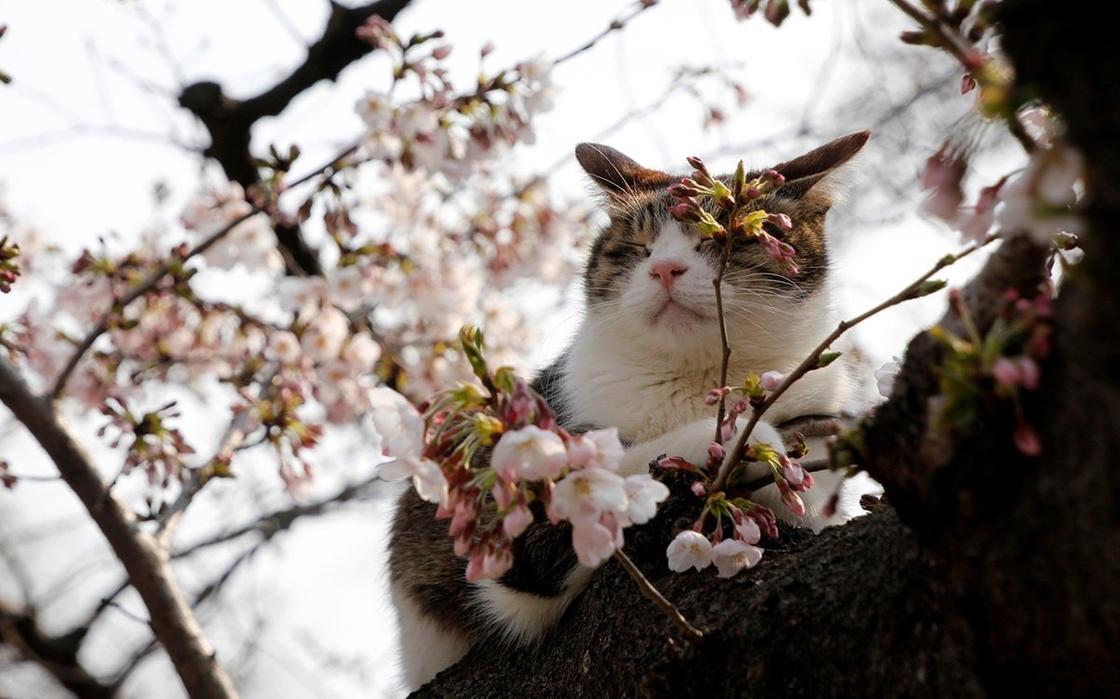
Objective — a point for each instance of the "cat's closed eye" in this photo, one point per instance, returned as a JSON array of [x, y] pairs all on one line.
[[625, 248]]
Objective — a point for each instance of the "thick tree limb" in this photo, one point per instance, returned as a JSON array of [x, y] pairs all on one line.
[[230, 121], [146, 563]]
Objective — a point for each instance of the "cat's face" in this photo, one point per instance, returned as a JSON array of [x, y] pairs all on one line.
[[651, 277]]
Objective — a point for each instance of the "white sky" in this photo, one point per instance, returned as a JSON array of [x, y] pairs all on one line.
[[82, 144]]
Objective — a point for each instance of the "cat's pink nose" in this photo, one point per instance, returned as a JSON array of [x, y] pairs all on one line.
[[667, 272]]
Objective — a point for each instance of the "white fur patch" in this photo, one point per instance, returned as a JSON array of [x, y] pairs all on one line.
[[426, 647], [522, 617]]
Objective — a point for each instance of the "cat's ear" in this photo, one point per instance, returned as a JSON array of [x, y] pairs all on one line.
[[812, 176], [617, 175]]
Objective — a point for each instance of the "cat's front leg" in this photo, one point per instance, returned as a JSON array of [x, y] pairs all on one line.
[[691, 442]]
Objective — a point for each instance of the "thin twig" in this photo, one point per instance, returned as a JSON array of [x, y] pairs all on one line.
[[689, 631], [160, 272], [614, 26], [961, 49], [725, 346], [233, 438], [731, 459]]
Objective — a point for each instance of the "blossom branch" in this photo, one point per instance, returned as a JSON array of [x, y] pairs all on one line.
[[689, 631], [150, 282], [953, 42], [145, 562], [230, 121], [919, 287]]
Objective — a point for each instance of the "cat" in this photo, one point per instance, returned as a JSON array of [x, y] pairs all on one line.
[[646, 354]]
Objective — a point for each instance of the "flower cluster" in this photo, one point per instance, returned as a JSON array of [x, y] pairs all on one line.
[[443, 131], [733, 198], [729, 506], [534, 468], [1000, 365], [154, 447], [251, 243], [1039, 201]]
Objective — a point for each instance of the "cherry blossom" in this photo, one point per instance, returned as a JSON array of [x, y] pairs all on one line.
[[427, 478], [885, 376], [516, 521], [771, 380], [585, 495], [529, 453], [731, 556], [593, 542], [689, 549], [1039, 201], [643, 494], [398, 423], [325, 334]]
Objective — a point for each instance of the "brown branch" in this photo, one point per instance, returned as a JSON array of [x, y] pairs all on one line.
[[271, 524], [145, 562], [812, 361], [58, 656], [230, 121], [689, 631], [164, 268]]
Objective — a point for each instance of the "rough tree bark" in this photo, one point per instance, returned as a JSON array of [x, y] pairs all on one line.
[[230, 121], [991, 573]]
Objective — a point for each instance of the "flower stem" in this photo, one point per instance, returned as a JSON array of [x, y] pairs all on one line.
[[726, 347], [687, 630]]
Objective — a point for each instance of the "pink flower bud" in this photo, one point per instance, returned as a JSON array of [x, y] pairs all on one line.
[[688, 212], [782, 221], [1006, 372], [794, 474], [968, 84], [503, 492], [517, 521], [462, 545], [716, 451], [715, 394], [463, 518], [771, 380], [698, 489], [1028, 373], [441, 52], [1027, 440]]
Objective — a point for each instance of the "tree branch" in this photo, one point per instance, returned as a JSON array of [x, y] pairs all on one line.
[[146, 564], [57, 655], [230, 121]]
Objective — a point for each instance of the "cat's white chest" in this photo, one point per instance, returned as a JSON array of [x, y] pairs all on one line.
[[642, 402]]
